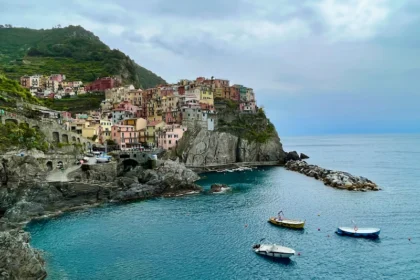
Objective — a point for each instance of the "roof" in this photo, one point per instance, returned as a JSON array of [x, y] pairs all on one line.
[[154, 123]]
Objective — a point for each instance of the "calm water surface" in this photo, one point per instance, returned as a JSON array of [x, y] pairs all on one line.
[[210, 236]]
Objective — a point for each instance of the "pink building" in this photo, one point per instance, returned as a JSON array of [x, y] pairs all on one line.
[[57, 77], [125, 136], [66, 116], [127, 106], [168, 137]]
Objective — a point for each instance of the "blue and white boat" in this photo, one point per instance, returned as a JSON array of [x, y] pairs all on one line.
[[359, 232]]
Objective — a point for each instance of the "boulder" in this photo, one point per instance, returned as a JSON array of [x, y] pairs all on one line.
[[303, 156], [218, 188], [292, 156]]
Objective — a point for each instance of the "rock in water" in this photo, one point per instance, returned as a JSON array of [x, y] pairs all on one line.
[[303, 156], [292, 156], [336, 179], [219, 188], [17, 259]]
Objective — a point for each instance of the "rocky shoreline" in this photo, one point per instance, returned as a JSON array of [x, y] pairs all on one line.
[[335, 179], [26, 196]]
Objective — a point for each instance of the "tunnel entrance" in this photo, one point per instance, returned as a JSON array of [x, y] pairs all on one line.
[[129, 164], [49, 165]]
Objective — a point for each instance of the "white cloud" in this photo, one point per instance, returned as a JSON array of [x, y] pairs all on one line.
[[355, 19]]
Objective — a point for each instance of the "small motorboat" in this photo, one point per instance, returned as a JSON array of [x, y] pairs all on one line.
[[284, 222], [359, 232], [273, 250]]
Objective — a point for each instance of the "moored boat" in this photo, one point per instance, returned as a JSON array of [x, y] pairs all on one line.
[[284, 222], [273, 250], [359, 232]]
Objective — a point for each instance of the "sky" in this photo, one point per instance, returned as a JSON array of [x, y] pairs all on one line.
[[316, 66]]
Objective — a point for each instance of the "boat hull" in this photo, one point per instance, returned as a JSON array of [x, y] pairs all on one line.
[[274, 254], [294, 224], [363, 233]]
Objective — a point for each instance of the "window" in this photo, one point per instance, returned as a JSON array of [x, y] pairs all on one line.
[[170, 142]]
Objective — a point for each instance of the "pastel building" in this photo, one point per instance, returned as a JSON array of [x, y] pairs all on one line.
[[104, 131], [151, 129], [125, 136], [120, 114], [169, 135]]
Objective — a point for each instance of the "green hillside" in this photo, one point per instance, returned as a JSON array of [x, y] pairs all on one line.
[[11, 91], [72, 51]]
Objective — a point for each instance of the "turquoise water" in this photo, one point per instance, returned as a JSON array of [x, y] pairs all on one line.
[[210, 236]]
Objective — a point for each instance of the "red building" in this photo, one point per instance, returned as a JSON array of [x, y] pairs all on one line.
[[181, 90], [103, 84]]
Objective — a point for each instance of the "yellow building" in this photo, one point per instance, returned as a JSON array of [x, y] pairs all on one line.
[[218, 92], [105, 130], [138, 123], [151, 132], [90, 132], [206, 96]]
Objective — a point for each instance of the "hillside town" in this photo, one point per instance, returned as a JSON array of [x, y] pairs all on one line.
[[131, 118]]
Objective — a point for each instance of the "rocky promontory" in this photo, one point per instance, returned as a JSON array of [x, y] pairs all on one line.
[[335, 179]]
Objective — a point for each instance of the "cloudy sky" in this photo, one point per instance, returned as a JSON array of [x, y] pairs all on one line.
[[318, 67]]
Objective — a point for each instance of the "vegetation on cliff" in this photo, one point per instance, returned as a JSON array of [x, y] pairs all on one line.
[[11, 91], [21, 136], [72, 51], [252, 127], [78, 104]]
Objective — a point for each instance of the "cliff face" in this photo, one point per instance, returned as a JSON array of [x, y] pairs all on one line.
[[206, 148], [17, 259]]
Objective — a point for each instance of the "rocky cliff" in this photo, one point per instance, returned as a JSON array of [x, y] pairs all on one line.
[[207, 148], [238, 138], [17, 259]]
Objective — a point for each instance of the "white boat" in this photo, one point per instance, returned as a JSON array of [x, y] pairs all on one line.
[[355, 231], [273, 250], [359, 232], [102, 159]]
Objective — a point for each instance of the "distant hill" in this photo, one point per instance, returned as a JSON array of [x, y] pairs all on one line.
[[72, 51]]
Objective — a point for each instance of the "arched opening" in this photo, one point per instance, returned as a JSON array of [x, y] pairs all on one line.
[[56, 137], [73, 139], [14, 121], [65, 138], [49, 165], [129, 164], [78, 140], [124, 156]]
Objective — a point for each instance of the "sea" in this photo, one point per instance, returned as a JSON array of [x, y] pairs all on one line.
[[209, 236]]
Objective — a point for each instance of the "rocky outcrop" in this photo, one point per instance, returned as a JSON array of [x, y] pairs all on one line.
[[219, 188], [335, 179], [17, 259], [293, 155], [207, 148], [303, 156]]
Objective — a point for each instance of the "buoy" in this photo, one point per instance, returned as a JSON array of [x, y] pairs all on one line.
[[409, 239], [319, 215], [328, 235], [319, 229], [298, 253], [246, 225]]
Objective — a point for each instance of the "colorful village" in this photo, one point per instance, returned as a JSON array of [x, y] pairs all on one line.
[[135, 119]]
